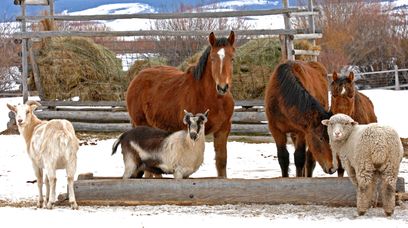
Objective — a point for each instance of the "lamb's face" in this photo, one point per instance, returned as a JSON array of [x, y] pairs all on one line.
[[339, 126], [195, 124]]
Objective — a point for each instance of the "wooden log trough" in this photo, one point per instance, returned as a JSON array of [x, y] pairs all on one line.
[[329, 191]]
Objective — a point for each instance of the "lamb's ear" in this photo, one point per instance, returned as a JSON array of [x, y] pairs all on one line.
[[326, 122], [12, 108], [354, 123]]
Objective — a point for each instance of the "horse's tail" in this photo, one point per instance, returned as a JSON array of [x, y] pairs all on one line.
[[293, 92], [116, 144]]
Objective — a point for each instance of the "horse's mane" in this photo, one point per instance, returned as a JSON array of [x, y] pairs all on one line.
[[294, 94], [198, 70]]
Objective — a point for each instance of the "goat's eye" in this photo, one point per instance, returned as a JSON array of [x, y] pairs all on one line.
[[27, 112]]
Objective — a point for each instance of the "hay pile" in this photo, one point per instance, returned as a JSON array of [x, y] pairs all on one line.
[[73, 66], [139, 65]]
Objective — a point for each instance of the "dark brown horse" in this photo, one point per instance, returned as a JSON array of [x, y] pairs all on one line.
[[296, 100], [346, 99], [157, 96]]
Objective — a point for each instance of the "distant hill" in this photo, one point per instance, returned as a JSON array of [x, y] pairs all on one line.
[[9, 11]]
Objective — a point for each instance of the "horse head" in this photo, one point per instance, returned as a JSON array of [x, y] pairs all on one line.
[[343, 92], [221, 57], [318, 141]]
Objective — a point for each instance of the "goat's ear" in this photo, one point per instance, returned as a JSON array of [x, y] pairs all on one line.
[[33, 104], [186, 117], [206, 113], [326, 122], [12, 108]]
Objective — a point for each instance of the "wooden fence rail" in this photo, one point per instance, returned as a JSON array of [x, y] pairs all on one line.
[[111, 116]]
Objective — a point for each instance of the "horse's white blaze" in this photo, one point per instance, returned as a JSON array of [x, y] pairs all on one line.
[[221, 54], [343, 91]]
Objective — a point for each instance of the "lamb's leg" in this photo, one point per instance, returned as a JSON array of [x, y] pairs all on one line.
[[39, 174], [365, 189], [388, 188], [51, 173], [71, 169]]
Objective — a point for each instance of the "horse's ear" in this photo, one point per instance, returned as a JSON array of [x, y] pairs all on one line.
[[335, 77], [12, 108], [351, 76], [212, 39], [231, 38]]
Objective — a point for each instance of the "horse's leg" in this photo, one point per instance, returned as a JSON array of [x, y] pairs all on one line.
[[340, 169], [220, 147], [310, 164], [300, 153], [283, 154]]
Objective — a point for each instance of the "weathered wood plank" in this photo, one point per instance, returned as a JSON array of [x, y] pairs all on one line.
[[45, 34], [323, 191], [245, 103], [121, 127], [87, 116], [161, 16], [113, 117]]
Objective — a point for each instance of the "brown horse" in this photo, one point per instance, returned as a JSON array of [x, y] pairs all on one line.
[[296, 100], [157, 96], [346, 99]]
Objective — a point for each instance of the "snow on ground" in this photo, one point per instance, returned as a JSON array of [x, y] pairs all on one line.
[[245, 161]]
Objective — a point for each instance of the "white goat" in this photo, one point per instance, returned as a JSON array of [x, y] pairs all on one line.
[[51, 145], [368, 152], [157, 151]]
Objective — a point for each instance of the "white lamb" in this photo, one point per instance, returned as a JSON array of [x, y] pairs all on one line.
[[368, 152], [51, 145]]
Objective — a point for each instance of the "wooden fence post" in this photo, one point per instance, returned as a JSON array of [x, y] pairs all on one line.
[[397, 84], [24, 55], [312, 27], [289, 38]]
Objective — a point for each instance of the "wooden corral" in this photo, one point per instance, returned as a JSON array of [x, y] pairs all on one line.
[[109, 116], [330, 191]]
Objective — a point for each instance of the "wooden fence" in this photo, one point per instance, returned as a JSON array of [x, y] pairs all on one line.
[[110, 116], [288, 34]]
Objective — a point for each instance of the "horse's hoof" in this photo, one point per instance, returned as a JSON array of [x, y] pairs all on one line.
[[74, 206]]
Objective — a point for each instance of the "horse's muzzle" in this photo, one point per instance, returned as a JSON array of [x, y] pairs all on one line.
[[222, 89]]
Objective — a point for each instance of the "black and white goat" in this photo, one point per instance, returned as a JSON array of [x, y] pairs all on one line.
[[180, 153]]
